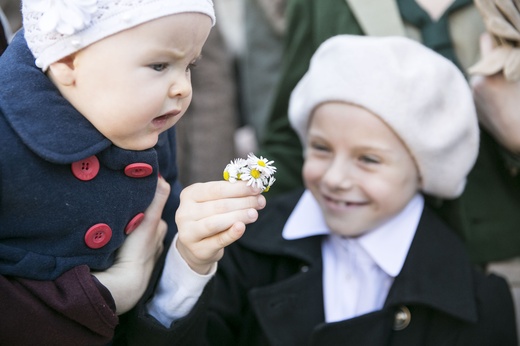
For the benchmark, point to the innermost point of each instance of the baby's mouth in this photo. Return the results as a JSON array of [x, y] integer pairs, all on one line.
[[169, 115], [165, 117]]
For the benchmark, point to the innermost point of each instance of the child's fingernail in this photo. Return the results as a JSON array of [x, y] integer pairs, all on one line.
[[251, 213]]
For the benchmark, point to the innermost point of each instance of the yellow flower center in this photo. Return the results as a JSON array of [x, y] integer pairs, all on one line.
[[261, 163], [226, 175], [255, 173]]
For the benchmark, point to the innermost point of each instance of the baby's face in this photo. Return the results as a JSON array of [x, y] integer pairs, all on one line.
[[357, 168], [136, 84]]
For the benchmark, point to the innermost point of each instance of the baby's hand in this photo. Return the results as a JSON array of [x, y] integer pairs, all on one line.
[[128, 277], [211, 216]]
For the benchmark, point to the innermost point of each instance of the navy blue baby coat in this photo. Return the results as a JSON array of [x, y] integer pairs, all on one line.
[[67, 195]]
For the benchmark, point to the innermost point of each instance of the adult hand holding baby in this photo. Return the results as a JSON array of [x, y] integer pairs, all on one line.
[[128, 277]]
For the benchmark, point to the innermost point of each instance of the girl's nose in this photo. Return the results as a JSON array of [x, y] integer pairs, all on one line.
[[339, 175]]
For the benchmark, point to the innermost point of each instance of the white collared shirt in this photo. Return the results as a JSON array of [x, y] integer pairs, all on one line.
[[357, 272]]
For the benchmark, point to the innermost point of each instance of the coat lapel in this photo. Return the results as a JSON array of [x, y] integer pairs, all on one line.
[[378, 17], [443, 281], [288, 311], [377, 326]]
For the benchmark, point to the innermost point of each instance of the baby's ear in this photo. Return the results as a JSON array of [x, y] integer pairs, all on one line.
[[62, 71]]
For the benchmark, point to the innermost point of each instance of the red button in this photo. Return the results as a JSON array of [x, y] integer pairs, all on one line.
[[134, 223], [86, 169], [98, 236], [138, 170]]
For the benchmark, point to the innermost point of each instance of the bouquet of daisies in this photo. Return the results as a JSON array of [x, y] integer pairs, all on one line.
[[258, 172]]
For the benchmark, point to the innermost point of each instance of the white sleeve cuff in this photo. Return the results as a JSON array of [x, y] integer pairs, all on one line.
[[178, 290]]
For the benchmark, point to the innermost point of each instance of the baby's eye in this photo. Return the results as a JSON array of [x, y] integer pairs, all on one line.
[[158, 67], [191, 66]]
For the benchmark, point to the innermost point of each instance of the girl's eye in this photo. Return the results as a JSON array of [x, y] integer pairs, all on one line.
[[318, 147], [369, 159], [158, 67]]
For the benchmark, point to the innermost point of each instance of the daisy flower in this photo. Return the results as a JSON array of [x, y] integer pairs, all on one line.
[[254, 178], [269, 183], [258, 172], [261, 164], [234, 170]]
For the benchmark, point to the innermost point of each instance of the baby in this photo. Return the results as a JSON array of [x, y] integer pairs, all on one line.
[[89, 93]]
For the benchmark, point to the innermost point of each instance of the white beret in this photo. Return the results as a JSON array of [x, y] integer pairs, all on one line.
[[421, 95], [55, 29]]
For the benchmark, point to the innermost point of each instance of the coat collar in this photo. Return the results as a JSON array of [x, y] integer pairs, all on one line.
[[387, 245], [270, 239], [42, 118], [447, 284], [378, 17]]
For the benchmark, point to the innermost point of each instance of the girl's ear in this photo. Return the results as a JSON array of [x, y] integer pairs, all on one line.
[[62, 71]]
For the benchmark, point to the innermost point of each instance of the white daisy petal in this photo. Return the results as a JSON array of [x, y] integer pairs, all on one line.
[[257, 172]]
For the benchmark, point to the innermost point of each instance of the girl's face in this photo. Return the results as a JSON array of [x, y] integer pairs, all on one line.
[[357, 168], [136, 84]]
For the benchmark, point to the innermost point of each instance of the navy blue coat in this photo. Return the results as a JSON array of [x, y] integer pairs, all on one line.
[[46, 212]]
